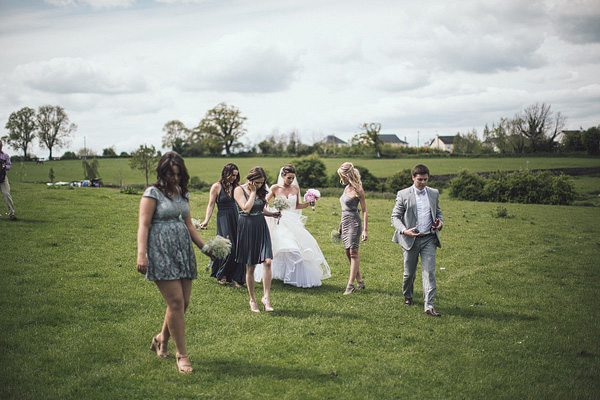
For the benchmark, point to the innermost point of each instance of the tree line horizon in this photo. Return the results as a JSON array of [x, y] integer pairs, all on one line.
[[532, 130]]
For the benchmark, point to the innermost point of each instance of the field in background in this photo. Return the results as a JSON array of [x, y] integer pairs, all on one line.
[[117, 171]]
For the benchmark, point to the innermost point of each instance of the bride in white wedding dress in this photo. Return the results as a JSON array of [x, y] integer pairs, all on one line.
[[297, 258]]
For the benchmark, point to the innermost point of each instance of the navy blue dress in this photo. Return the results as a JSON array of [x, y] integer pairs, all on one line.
[[253, 237], [227, 221]]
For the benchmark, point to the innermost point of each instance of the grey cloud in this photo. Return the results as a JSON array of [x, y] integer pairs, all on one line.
[[76, 75], [249, 69]]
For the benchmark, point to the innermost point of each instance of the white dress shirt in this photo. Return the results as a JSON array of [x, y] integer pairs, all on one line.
[[424, 221]]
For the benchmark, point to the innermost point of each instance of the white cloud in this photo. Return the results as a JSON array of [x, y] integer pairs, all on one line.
[[246, 62], [96, 4], [76, 75]]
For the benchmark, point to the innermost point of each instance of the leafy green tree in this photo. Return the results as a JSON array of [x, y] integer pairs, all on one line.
[[109, 152], [176, 135], [144, 159], [370, 137], [22, 127], [54, 128], [225, 123], [467, 143], [69, 155], [591, 140]]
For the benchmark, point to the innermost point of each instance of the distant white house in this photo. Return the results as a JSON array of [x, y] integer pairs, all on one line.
[[393, 140], [443, 143], [334, 141]]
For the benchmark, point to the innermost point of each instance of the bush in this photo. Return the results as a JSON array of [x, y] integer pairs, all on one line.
[[69, 155], [369, 181], [400, 180], [467, 186], [129, 190], [310, 171], [519, 187], [197, 183]]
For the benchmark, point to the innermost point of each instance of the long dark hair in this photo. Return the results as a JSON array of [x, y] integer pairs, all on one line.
[[257, 173], [225, 174], [164, 169]]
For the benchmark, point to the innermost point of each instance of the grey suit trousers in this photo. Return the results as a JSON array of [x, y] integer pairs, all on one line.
[[426, 248]]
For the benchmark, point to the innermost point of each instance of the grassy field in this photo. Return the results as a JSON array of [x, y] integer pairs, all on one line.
[[519, 297], [117, 171]]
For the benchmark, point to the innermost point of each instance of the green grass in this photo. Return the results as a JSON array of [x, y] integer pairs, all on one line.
[[519, 298], [115, 171]]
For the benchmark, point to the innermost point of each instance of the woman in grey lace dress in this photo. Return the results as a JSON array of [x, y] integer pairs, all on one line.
[[165, 251], [350, 225]]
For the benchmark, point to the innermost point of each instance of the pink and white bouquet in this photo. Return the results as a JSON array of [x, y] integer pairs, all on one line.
[[311, 196]]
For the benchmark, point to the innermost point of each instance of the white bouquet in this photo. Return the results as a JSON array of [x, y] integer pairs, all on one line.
[[280, 203], [219, 247]]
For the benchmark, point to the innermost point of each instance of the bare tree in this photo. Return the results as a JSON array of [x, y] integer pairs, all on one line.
[[225, 123], [537, 124], [54, 128], [21, 126]]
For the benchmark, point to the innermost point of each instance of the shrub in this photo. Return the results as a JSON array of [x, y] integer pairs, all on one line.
[[519, 187], [310, 171], [197, 183], [467, 186], [128, 190], [400, 180], [369, 181]]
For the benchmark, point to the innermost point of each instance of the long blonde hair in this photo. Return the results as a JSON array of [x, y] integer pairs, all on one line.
[[347, 169]]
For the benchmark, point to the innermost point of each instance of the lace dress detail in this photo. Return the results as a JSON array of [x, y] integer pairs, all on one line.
[[169, 249]]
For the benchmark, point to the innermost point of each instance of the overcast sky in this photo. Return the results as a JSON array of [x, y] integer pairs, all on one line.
[[123, 68]]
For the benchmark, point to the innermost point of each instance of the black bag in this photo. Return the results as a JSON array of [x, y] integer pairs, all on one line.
[[2, 171]]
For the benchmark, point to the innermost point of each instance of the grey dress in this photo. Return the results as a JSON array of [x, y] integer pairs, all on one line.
[[169, 249], [351, 222]]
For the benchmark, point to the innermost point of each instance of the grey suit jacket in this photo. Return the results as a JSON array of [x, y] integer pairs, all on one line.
[[404, 215]]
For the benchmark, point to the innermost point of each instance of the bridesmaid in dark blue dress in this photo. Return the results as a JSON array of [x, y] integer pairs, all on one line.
[[221, 193], [253, 238]]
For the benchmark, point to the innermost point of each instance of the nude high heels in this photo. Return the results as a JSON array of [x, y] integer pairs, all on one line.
[[254, 307], [267, 305]]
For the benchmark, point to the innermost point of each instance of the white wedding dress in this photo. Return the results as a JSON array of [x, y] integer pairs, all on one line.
[[297, 258]]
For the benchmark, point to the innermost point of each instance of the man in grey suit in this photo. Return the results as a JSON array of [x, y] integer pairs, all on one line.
[[417, 218]]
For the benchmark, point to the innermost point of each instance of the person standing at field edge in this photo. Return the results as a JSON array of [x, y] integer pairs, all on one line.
[[5, 165], [417, 218]]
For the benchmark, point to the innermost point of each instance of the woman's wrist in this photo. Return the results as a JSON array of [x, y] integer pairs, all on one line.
[[204, 249]]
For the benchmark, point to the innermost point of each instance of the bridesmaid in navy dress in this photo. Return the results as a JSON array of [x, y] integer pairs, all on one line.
[[221, 193], [350, 225], [253, 238]]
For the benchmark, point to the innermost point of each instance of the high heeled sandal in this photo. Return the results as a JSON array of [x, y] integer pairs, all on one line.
[[360, 285], [184, 369], [349, 289], [155, 347], [267, 305], [254, 307]]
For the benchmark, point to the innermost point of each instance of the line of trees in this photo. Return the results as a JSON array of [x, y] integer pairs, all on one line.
[[50, 125]]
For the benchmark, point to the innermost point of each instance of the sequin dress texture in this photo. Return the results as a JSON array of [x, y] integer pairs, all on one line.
[[351, 222], [169, 248], [253, 238], [227, 221]]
